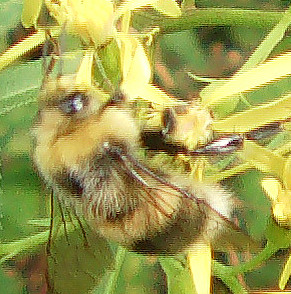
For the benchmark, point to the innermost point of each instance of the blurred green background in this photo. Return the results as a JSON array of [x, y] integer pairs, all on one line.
[[207, 51]]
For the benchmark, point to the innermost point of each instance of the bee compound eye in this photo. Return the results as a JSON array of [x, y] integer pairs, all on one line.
[[74, 103]]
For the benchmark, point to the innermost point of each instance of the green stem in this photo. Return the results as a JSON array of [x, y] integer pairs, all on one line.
[[209, 17], [264, 255], [228, 274], [119, 259], [229, 279]]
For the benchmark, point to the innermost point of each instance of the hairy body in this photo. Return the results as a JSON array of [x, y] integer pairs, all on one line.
[[87, 151]]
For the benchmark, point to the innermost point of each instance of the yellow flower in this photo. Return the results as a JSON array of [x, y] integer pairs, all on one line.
[[136, 72], [281, 200], [93, 20]]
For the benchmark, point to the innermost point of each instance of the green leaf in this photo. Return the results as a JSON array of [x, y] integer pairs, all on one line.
[[16, 89], [178, 276], [78, 262], [278, 236], [268, 44]]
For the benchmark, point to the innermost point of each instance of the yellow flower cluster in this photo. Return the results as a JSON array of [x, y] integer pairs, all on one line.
[[96, 23], [280, 195], [90, 19]]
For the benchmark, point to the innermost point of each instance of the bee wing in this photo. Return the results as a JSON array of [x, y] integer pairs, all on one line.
[[202, 212]]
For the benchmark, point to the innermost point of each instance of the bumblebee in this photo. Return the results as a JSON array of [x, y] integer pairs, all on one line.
[[87, 150]]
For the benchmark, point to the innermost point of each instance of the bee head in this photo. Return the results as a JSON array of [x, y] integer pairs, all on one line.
[[75, 124]]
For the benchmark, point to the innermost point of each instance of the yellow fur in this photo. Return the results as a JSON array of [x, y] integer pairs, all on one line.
[[61, 141]]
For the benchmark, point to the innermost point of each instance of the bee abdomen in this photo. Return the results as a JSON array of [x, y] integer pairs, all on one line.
[[177, 235]]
